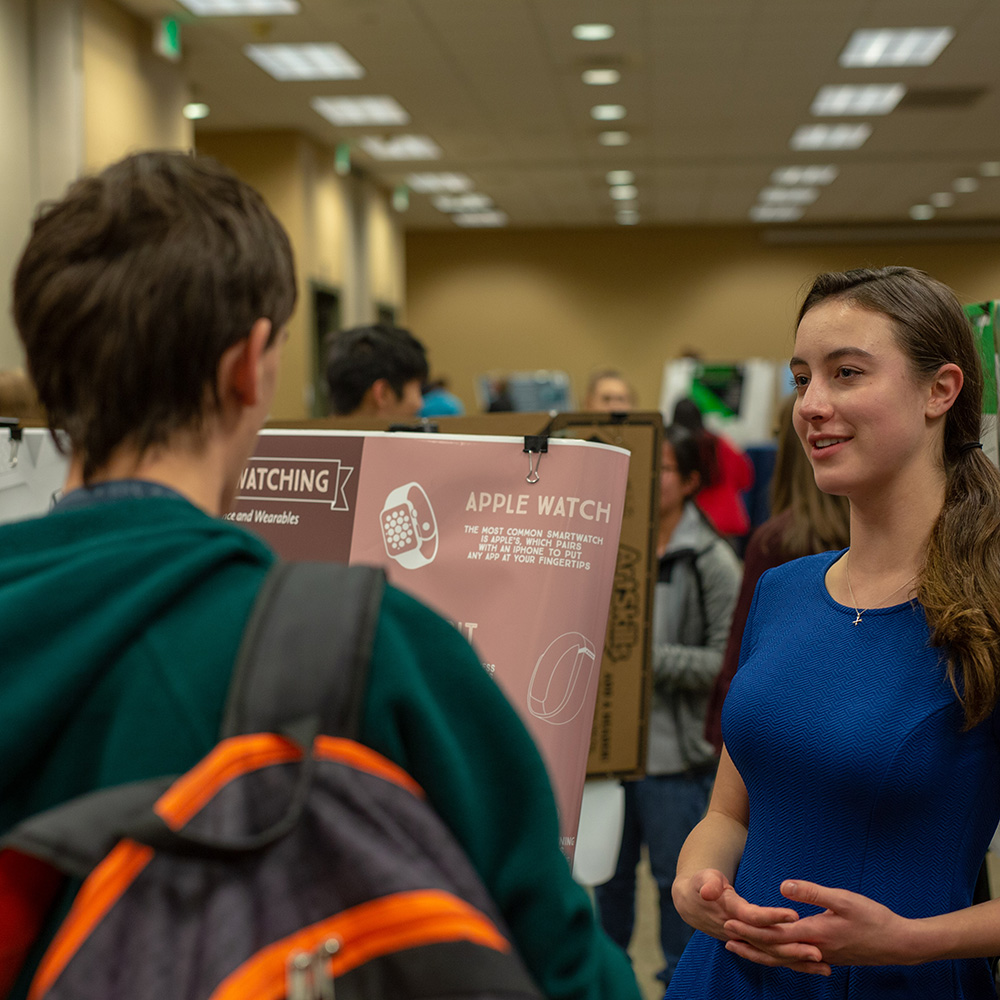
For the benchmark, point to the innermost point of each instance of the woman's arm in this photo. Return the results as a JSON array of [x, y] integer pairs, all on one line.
[[703, 891]]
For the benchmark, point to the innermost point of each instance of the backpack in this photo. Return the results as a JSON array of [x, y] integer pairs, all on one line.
[[290, 862]]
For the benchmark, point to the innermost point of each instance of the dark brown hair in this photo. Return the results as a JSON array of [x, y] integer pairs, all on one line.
[[958, 584], [818, 521], [133, 286]]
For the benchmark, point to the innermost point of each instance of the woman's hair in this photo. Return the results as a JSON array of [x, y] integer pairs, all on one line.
[[819, 521], [687, 415], [687, 452], [958, 583]]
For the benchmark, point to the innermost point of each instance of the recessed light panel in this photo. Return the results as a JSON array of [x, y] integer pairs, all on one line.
[[788, 195], [601, 77], [830, 136], [921, 213], [942, 199], [401, 147], [195, 111], [965, 185], [989, 169], [808, 175], [627, 217], [480, 220], [360, 110], [895, 46], [775, 213], [240, 8], [614, 138], [870, 99], [607, 112], [305, 62], [593, 32], [433, 183], [471, 202], [624, 192], [619, 177]]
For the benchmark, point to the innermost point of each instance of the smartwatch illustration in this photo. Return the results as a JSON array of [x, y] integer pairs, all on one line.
[[561, 678], [409, 528]]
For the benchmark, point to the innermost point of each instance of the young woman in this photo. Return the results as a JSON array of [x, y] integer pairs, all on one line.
[[860, 784], [698, 579]]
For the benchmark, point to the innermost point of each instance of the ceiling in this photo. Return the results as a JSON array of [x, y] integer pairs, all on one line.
[[713, 90]]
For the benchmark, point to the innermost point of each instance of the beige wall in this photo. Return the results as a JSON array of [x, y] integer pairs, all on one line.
[[632, 298], [133, 99]]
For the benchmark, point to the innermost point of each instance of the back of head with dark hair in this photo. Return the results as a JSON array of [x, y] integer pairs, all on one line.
[[359, 357], [133, 286], [687, 451], [687, 414], [957, 586]]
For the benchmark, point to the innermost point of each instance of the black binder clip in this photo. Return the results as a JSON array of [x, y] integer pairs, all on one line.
[[13, 425], [535, 445]]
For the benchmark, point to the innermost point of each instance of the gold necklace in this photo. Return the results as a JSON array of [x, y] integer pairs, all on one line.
[[859, 611]]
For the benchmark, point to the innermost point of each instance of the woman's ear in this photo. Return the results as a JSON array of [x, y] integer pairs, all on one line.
[[692, 484], [944, 390]]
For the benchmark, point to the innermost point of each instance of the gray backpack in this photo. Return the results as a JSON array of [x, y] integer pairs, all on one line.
[[292, 861]]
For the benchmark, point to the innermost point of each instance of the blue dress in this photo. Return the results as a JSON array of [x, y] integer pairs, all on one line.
[[849, 739]]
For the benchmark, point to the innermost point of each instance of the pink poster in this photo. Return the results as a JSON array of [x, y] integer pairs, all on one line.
[[523, 570]]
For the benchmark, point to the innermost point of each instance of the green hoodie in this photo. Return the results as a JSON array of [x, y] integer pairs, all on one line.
[[120, 624]]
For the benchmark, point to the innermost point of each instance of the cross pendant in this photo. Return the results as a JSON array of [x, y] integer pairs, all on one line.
[[857, 621]]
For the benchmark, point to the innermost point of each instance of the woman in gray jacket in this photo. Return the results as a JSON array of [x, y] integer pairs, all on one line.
[[699, 578]]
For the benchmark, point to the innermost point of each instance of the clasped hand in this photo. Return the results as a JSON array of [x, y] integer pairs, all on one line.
[[851, 930]]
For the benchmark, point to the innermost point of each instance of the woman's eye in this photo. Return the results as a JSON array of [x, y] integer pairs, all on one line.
[[847, 372], [800, 381]]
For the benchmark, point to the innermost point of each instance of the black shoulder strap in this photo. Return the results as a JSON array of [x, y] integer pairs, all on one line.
[[301, 669], [306, 649]]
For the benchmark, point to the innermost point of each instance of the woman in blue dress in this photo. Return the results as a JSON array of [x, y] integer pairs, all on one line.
[[860, 783]]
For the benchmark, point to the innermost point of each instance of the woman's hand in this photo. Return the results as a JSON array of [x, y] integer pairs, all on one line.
[[707, 901], [851, 930]]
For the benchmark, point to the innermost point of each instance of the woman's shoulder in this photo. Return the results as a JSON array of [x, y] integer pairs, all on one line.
[[801, 571]]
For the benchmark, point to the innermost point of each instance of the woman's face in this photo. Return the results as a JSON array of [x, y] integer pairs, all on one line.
[[674, 488], [861, 414]]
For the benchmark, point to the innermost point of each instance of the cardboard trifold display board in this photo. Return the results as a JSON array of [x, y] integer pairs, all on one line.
[[517, 549]]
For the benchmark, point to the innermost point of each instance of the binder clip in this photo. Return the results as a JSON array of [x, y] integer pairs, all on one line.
[[13, 425], [535, 445]]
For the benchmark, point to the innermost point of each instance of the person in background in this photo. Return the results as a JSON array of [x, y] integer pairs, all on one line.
[[859, 786], [804, 520], [728, 473], [376, 371], [608, 392], [123, 609], [698, 578], [440, 401]]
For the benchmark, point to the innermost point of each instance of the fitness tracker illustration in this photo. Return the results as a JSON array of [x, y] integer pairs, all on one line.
[[560, 679], [409, 528]]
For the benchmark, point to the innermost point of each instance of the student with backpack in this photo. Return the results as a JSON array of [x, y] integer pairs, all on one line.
[[152, 304]]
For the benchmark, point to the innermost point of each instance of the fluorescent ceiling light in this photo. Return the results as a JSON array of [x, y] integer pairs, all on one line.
[[194, 111], [627, 217], [809, 175], [614, 138], [432, 183], [895, 46], [775, 213], [360, 110], [305, 62], [830, 136], [593, 32], [480, 220], [601, 77], [401, 147], [788, 195], [869, 99], [607, 112], [942, 199], [619, 177], [990, 169], [240, 8], [623, 192], [463, 202], [965, 185], [921, 213]]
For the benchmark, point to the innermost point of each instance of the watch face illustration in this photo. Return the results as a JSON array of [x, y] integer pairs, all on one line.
[[561, 678], [409, 527]]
